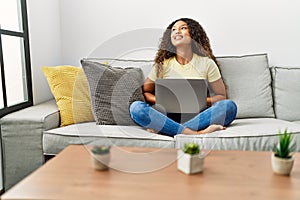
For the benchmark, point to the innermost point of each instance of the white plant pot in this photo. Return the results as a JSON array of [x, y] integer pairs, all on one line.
[[282, 166], [189, 164], [100, 162]]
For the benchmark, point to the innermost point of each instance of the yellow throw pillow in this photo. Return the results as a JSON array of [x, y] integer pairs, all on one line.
[[69, 87]]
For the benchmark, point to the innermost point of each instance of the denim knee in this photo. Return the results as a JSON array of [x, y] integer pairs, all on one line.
[[135, 106], [231, 111], [138, 111], [231, 107]]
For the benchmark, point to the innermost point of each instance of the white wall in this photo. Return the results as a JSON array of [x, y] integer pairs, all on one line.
[[234, 27], [64, 31], [45, 43]]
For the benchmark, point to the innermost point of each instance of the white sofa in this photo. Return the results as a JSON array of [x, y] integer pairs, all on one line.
[[267, 99]]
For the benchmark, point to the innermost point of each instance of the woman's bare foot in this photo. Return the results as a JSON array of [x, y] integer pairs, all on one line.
[[212, 128], [209, 129], [188, 131], [151, 130]]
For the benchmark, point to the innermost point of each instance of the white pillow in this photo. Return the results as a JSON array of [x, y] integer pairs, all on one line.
[[248, 83], [286, 88]]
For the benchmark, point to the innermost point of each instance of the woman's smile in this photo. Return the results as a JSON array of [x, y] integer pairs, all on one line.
[[178, 37]]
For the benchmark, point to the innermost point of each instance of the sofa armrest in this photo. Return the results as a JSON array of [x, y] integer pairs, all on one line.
[[21, 135]]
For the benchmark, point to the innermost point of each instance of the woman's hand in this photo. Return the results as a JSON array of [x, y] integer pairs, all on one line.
[[212, 128], [149, 90]]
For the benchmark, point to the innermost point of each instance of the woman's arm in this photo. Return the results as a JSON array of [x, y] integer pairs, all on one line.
[[220, 92], [148, 91]]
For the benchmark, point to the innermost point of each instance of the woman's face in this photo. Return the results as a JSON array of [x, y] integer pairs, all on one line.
[[180, 34]]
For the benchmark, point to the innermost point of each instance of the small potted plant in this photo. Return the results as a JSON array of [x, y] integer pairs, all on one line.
[[282, 158], [189, 159], [100, 157]]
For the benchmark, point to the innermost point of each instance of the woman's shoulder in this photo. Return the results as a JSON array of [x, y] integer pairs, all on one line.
[[204, 59], [201, 59]]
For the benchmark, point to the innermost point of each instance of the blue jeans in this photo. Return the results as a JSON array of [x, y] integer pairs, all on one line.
[[222, 113]]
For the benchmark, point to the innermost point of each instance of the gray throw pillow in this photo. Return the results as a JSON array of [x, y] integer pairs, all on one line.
[[286, 90], [112, 90], [248, 83]]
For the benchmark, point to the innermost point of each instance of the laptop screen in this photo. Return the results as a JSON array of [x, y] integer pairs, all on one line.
[[181, 95]]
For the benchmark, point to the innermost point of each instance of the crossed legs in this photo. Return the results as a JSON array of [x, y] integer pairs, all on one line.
[[213, 118]]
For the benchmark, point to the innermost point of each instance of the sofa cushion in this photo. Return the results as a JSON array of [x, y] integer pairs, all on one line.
[[112, 90], [286, 88], [70, 90], [248, 83], [89, 133], [255, 134]]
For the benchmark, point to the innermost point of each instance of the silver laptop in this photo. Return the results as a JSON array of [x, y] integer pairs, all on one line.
[[180, 95]]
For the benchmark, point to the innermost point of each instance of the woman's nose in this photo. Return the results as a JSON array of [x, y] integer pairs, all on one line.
[[177, 30]]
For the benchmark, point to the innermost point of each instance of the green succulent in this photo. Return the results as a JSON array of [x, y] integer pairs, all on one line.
[[101, 150], [191, 148], [285, 146]]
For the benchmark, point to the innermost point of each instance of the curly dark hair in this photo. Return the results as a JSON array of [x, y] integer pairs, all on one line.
[[200, 43]]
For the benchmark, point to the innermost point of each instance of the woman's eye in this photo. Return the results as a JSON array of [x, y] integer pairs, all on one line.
[[183, 28]]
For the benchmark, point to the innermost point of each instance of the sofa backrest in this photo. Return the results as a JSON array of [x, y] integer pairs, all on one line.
[[258, 89]]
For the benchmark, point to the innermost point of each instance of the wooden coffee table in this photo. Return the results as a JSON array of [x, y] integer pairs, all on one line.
[[227, 175]]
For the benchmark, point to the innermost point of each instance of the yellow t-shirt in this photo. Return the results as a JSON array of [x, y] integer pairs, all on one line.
[[198, 68]]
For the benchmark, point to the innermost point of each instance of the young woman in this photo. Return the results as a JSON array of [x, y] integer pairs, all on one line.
[[185, 52]]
